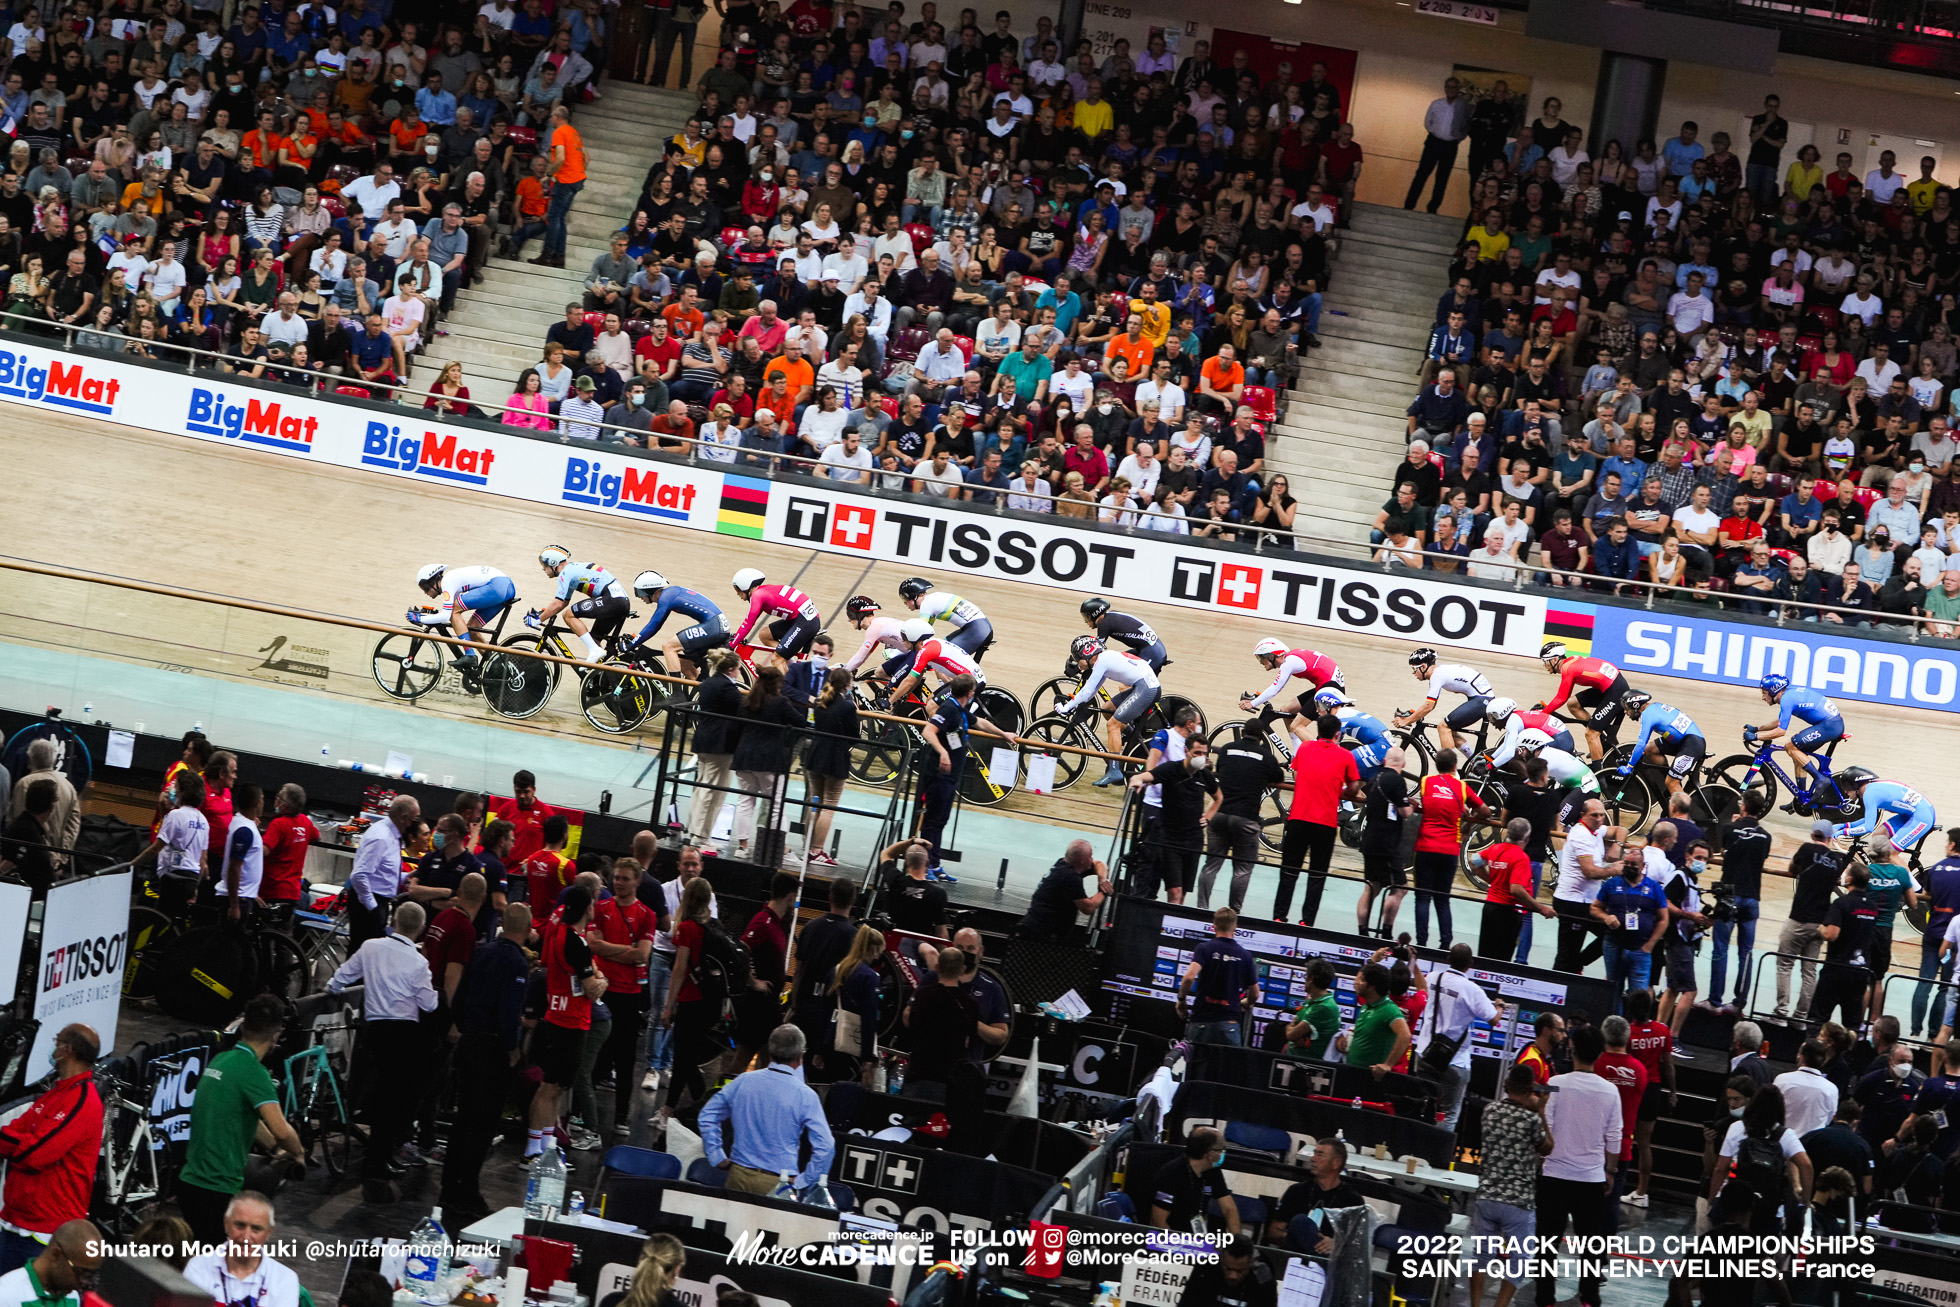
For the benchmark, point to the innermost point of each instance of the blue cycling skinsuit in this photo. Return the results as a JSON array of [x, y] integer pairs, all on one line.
[[1822, 721], [1901, 812], [1370, 738], [1675, 734], [709, 629]]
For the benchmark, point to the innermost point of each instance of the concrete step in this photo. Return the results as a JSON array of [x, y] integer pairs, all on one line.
[[1411, 324], [1391, 256], [1385, 371], [1358, 407], [1414, 248], [1333, 432], [1337, 351], [1382, 217]]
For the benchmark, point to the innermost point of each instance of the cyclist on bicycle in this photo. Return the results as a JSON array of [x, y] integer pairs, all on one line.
[[1568, 773], [1456, 678], [1522, 725], [1134, 631], [1599, 688], [1668, 738], [601, 599], [1890, 808], [972, 632], [927, 652], [1822, 724], [1365, 736], [797, 620], [1100, 663], [688, 650], [1316, 669], [879, 632], [467, 600]]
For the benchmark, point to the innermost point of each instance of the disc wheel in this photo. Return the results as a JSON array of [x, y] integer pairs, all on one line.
[[1173, 704], [150, 935], [281, 966], [1631, 804], [1049, 732], [516, 685], [614, 701], [406, 666], [1042, 701], [1001, 708], [1713, 804]]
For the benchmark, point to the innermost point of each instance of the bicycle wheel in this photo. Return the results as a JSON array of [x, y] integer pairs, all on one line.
[[282, 969], [1272, 821], [1043, 699], [406, 666], [1713, 803], [976, 786], [1172, 704], [1630, 802], [150, 935], [516, 686], [1733, 771], [1001, 708], [1227, 733], [1415, 752], [880, 754], [1479, 836], [332, 1131], [1049, 732], [615, 702]]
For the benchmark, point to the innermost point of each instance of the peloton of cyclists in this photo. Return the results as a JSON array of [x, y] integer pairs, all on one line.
[[1108, 624], [1593, 684], [1099, 663], [797, 620], [1316, 669], [467, 600], [688, 649], [1457, 679], [592, 600], [971, 633]]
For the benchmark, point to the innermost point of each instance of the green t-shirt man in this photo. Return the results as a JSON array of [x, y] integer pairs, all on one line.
[[1373, 1037], [1887, 892], [1028, 373], [1323, 1016], [225, 1119]]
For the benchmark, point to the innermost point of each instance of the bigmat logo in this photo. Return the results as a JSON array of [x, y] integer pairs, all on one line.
[[256, 422], [637, 489], [427, 454], [61, 385]]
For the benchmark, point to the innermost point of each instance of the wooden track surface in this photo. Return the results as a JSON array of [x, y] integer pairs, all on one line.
[[117, 501]]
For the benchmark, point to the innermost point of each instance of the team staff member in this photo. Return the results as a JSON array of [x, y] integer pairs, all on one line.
[[51, 1151], [1059, 898], [526, 814], [1245, 770], [622, 943], [1444, 801], [1541, 1055], [1586, 862], [1508, 898], [1191, 796], [1190, 1184], [377, 875], [1745, 848], [1847, 932], [244, 857], [572, 984], [1218, 985], [1324, 774], [489, 1016], [287, 837], [398, 992], [1380, 1038], [1943, 892], [773, 1113], [1539, 801], [235, 1099], [1390, 813], [941, 757], [1634, 912], [1159, 865]]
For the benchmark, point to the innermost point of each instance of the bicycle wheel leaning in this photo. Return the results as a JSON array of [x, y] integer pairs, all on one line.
[[1050, 732], [150, 935], [282, 967], [407, 666], [330, 1131]]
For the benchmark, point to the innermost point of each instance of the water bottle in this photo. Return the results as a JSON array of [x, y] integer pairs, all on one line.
[[818, 1196], [1356, 1104], [577, 1206], [896, 1083], [785, 1186], [428, 1258], [544, 1187]]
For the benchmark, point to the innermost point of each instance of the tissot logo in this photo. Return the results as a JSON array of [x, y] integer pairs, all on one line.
[[1238, 586], [806, 520], [82, 959], [853, 525]]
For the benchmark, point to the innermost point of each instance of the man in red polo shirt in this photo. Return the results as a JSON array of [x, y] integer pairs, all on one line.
[[1444, 800], [1323, 775], [287, 837], [1507, 896], [621, 944], [526, 816]]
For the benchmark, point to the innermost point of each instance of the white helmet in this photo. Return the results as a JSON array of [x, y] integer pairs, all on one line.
[[646, 583], [430, 572], [1269, 647], [915, 630], [748, 579], [1552, 652], [1498, 711], [1326, 700], [553, 556]]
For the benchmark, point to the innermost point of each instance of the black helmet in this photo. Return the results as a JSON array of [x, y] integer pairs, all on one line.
[[1423, 657], [860, 606], [1636, 701], [914, 587], [1855, 775], [1093, 609], [1085, 646]]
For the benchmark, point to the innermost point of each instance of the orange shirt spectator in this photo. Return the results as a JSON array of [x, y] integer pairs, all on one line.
[[300, 149], [1222, 375], [408, 132], [796, 372], [1137, 352], [565, 137], [262, 148], [532, 199], [133, 196], [683, 324]]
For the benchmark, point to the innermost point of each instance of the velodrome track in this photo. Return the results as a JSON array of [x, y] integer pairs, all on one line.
[[118, 501]]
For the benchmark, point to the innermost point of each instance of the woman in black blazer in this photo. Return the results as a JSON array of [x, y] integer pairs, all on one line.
[[763, 754], [716, 730], [835, 718]]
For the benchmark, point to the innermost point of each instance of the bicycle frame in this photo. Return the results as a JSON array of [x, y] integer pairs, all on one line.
[[1765, 757]]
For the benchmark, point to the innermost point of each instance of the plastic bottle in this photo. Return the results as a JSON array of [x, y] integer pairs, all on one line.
[[785, 1186], [544, 1188], [428, 1259], [896, 1081], [576, 1207], [818, 1195]]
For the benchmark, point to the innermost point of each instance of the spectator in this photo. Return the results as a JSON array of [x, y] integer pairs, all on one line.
[[51, 1150], [237, 1100], [1455, 1002], [1584, 1118], [60, 1274], [770, 1113], [63, 822], [1517, 1140]]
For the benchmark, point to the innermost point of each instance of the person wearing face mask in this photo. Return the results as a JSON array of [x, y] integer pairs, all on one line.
[[632, 411], [51, 1151], [1191, 798], [1681, 887], [442, 869]]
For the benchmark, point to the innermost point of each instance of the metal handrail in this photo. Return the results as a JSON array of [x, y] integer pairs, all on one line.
[[816, 468]]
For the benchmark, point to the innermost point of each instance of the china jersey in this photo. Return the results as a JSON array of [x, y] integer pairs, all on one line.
[[1577, 673]]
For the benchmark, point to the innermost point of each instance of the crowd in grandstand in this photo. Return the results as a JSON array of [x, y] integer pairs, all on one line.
[[1711, 365]]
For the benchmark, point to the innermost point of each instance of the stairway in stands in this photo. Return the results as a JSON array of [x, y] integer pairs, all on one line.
[[1342, 431], [498, 324]]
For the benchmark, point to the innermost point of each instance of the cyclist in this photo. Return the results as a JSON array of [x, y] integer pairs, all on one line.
[[1316, 669], [688, 650], [1599, 687], [1569, 773], [1455, 677], [1520, 725], [1890, 808], [797, 620], [1133, 631], [1668, 738], [1364, 735], [1822, 724], [603, 601], [927, 652], [1100, 663], [861, 611], [972, 632], [467, 600]]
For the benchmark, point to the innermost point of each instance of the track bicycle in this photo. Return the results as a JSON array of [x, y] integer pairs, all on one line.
[[129, 1175], [1082, 730], [408, 664], [879, 759], [1761, 771], [1069, 683], [163, 919], [316, 1103]]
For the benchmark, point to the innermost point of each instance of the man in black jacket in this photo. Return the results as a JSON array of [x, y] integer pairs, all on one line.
[[328, 347], [716, 729], [1817, 868], [488, 1009], [820, 946], [1245, 770], [1191, 797]]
